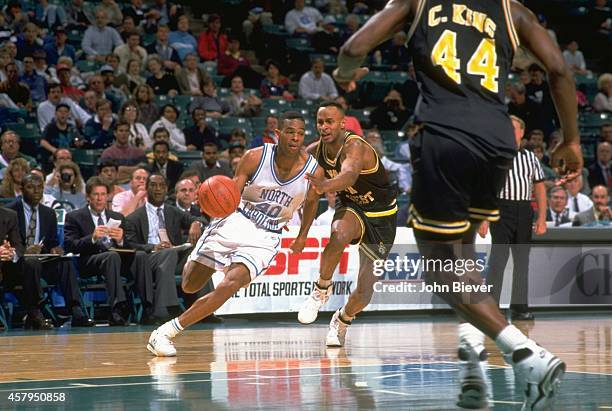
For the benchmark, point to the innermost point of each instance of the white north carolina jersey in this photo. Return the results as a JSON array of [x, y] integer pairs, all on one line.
[[269, 202]]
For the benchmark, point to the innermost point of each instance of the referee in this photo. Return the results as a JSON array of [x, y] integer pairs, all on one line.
[[513, 229]]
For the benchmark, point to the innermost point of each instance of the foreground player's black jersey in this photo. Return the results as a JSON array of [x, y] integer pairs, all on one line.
[[462, 53], [371, 192]]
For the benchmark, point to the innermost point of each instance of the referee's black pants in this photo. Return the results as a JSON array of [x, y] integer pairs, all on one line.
[[511, 232]]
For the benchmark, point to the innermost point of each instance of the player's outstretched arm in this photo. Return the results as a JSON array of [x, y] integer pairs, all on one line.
[[352, 165], [562, 86], [247, 167], [310, 212], [376, 30]]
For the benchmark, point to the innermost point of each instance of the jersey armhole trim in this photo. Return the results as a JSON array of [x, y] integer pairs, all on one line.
[[261, 163], [510, 24], [373, 169], [415, 22]]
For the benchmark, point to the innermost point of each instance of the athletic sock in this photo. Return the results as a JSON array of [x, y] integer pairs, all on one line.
[[172, 328], [345, 318], [509, 339], [323, 284], [473, 336]]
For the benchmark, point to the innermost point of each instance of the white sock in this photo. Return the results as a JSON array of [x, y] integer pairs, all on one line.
[[471, 335], [172, 328], [510, 338]]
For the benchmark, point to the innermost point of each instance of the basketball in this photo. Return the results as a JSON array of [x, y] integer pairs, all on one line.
[[218, 196]]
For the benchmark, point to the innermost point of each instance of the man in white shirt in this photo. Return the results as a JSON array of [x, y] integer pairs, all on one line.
[[316, 84], [574, 58], [577, 202], [131, 50], [46, 110], [302, 19]]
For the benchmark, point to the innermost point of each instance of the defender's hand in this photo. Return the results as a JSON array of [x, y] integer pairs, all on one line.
[[351, 84]]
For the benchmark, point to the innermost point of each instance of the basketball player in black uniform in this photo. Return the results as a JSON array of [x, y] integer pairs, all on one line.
[[462, 53], [365, 215]]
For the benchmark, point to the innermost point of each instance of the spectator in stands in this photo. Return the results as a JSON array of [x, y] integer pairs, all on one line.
[[327, 40], [161, 47], [237, 144], [89, 234], [38, 229], [391, 114], [605, 133], [88, 102], [50, 16], [35, 82], [5, 29], [100, 40], [98, 131], [539, 91], [127, 157], [79, 17], [252, 27], [113, 61], [14, 89], [603, 99], [155, 228], [524, 108], [12, 176], [210, 164], [115, 16], [233, 63], [169, 116], [60, 134], [302, 19], [536, 138], [147, 109], [242, 104], [11, 49], [599, 212], [600, 173], [69, 191], [350, 122], [574, 58], [166, 12], [396, 53], [40, 65], [131, 50], [28, 42], [16, 17], [128, 26], [143, 17], [400, 172], [129, 200], [59, 157], [10, 143], [66, 86], [191, 78], [200, 132], [352, 25], [131, 79], [161, 134], [549, 175], [212, 43], [275, 85], [577, 202], [558, 215], [163, 83], [193, 175], [108, 170], [75, 76], [47, 109], [186, 195], [269, 133], [59, 47], [182, 39], [214, 106], [139, 137], [103, 86], [316, 84], [170, 169]]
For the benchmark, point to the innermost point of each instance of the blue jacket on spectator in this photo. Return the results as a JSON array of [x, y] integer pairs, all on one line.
[[53, 54], [37, 85], [184, 43], [96, 136]]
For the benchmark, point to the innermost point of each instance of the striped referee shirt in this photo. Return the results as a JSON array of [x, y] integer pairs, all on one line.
[[525, 172]]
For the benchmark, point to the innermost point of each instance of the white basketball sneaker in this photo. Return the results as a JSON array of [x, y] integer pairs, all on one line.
[[337, 331], [161, 345], [472, 374], [317, 299], [537, 373]]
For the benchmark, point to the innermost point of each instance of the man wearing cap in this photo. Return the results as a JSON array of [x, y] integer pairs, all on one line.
[[46, 109], [59, 47], [58, 133], [328, 39]]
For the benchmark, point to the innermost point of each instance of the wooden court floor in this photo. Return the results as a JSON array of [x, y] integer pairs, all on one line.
[[389, 362]]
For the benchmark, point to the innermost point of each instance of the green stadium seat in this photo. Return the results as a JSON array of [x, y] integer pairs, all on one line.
[[25, 131], [86, 66], [396, 77], [299, 44]]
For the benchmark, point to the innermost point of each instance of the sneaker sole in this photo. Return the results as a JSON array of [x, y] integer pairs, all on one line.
[[301, 320], [157, 354], [549, 385], [329, 343]]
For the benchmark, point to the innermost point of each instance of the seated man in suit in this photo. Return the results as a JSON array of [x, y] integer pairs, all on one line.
[[600, 173], [16, 270], [38, 230], [558, 214], [155, 228], [171, 169], [600, 213], [87, 232]]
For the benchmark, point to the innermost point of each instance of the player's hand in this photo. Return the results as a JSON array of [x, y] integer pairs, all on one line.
[[297, 245], [351, 84], [540, 227], [116, 234], [99, 232], [317, 183], [483, 229], [567, 160], [195, 231]]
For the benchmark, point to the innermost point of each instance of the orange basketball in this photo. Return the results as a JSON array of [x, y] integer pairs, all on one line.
[[218, 196]]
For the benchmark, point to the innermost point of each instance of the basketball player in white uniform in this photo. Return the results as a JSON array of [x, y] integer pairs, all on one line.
[[243, 244]]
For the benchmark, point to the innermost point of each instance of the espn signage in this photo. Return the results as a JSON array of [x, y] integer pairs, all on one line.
[[287, 262]]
